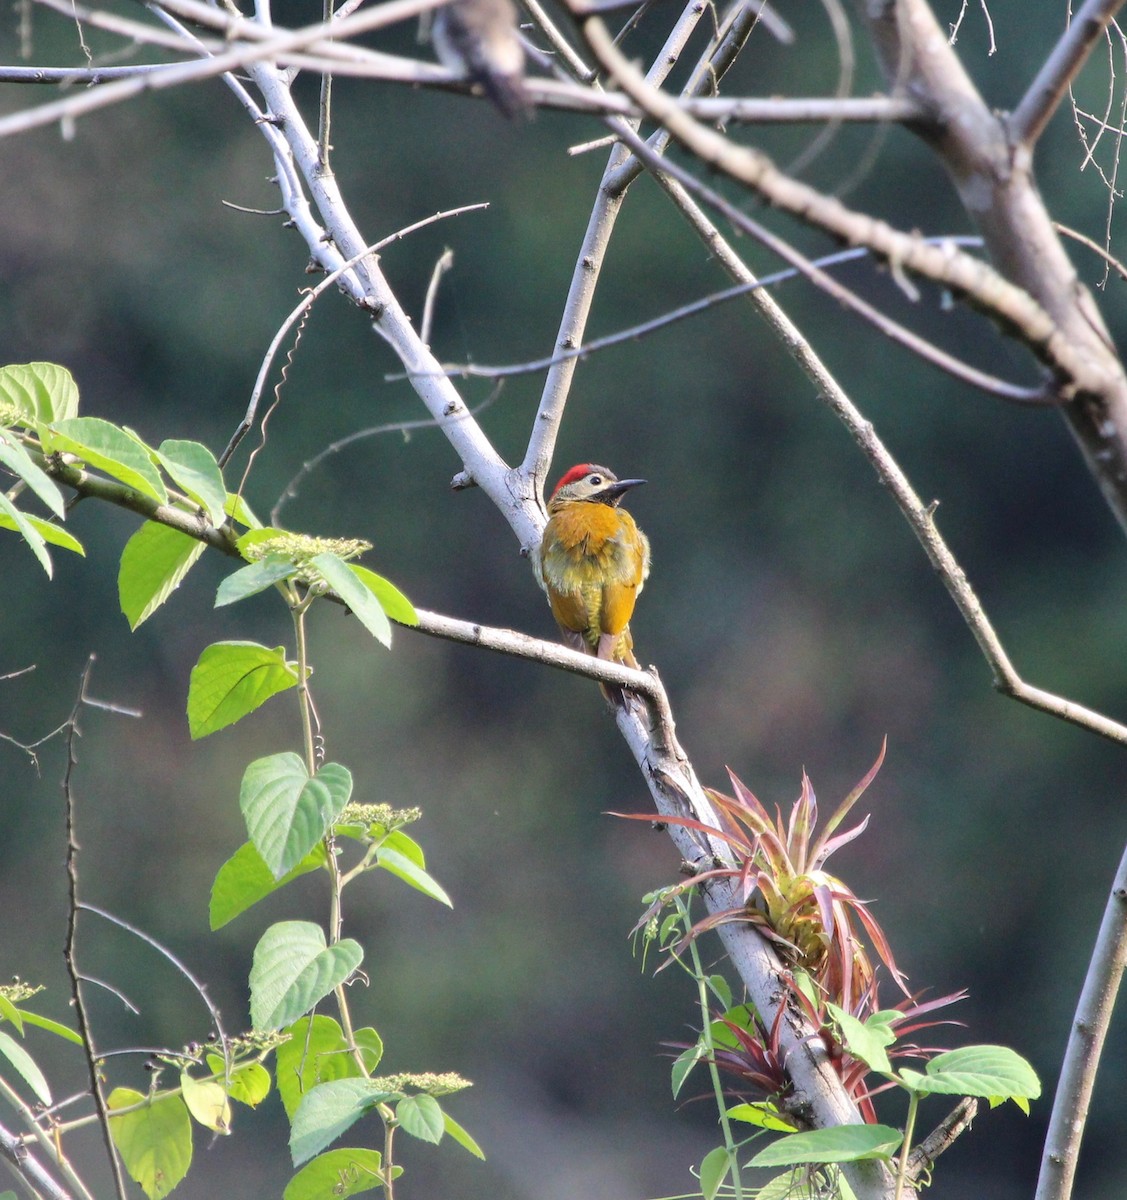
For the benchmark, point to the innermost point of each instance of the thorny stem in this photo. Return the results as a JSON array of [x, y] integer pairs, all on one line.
[[69, 953]]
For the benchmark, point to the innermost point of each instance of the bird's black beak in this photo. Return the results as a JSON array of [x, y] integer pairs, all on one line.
[[614, 492]]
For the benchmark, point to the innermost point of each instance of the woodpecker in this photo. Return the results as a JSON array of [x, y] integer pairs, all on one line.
[[478, 40], [593, 562]]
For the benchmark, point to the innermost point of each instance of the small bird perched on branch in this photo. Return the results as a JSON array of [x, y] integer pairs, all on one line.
[[478, 39], [594, 561]]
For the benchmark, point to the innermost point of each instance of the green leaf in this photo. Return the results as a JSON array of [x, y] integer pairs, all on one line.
[[391, 599], [841, 1143], [762, 1114], [714, 1168], [288, 813], [316, 1053], [335, 1174], [40, 391], [683, 1065], [339, 576], [232, 679], [327, 1111], [370, 1045], [153, 565], [794, 1185], [26, 1066], [255, 577], [977, 1071], [421, 1117], [865, 1041], [718, 986], [50, 1026], [244, 879], [742, 1016], [461, 1136], [249, 1082], [398, 864], [102, 445], [207, 1101], [17, 460], [193, 468], [293, 969], [239, 510], [155, 1141], [22, 524], [51, 533]]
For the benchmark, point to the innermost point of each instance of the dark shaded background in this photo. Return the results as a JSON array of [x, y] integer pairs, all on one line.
[[794, 619]]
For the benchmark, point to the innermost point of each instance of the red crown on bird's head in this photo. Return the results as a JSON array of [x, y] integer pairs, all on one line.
[[578, 472]]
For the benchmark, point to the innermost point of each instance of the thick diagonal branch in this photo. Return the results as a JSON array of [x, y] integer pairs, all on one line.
[[994, 178]]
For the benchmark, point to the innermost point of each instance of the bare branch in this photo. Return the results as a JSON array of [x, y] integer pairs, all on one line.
[[270, 45], [942, 1137], [72, 75], [585, 276], [621, 169], [1089, 1029], [1048, 89], [962, 274], [997, 188], [365, 283], [928, 351], [920, 518], [28, 1168], [562, 49], [810, 268], [443, 264]]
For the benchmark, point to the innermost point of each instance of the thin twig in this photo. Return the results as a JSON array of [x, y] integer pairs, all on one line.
[[563, 51], [986, 382], [289, 492], [1110, 259], [1027, 122], [69, 952], [201, 989], [920, 346], [443, 264], [307, 302], [1085, 1042]]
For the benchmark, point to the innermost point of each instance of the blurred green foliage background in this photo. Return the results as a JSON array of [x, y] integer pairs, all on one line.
[[793, 618]]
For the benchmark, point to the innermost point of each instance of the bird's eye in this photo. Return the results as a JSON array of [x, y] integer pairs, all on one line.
[[594, 480]]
